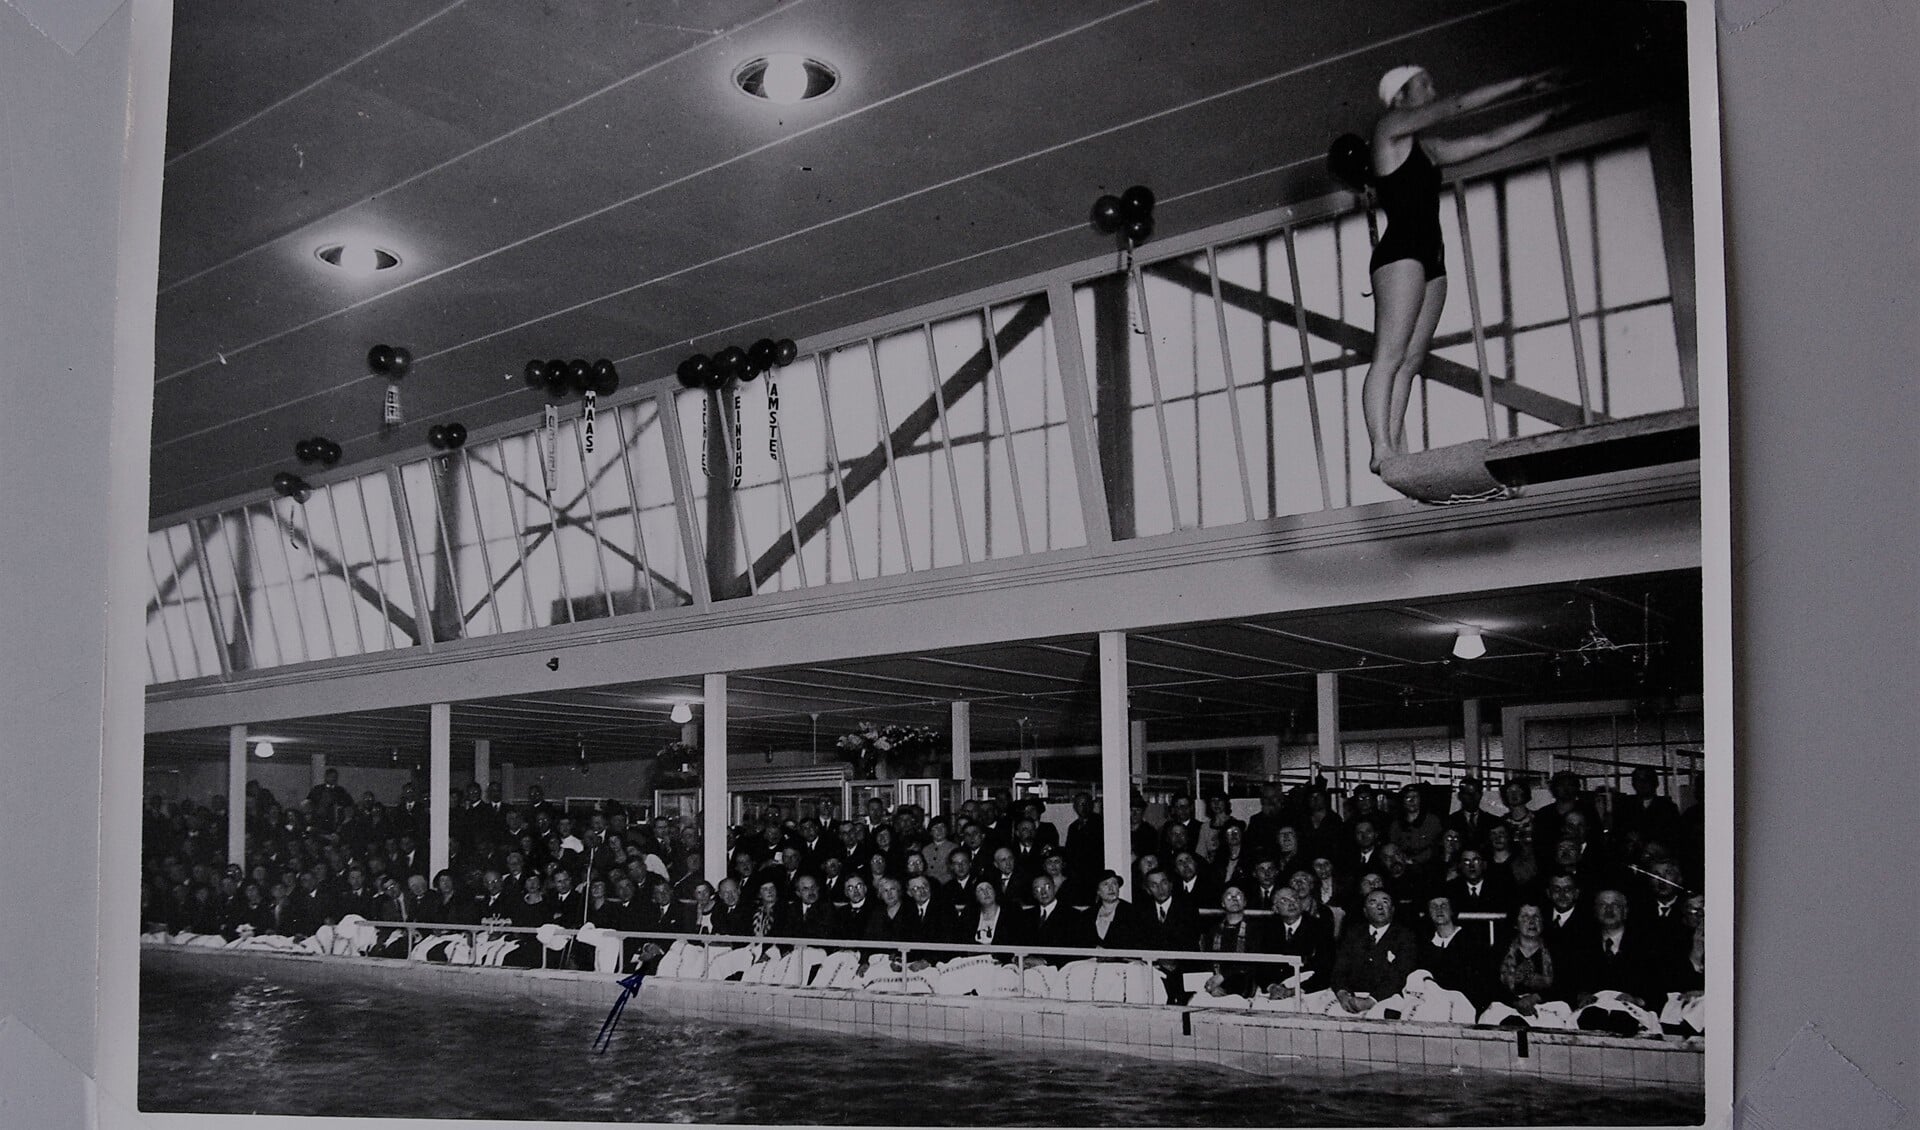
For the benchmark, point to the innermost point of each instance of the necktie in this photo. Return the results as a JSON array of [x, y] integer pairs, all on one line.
[[1607, 944], [1163, 914]]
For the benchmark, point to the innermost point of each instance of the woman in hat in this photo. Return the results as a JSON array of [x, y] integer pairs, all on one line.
[[1409, 263]]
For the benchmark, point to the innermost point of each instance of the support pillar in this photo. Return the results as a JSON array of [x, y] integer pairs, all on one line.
[[319, 764], [483, 762], [1470, 727], [1137, 751], [439, 781], [962, 730], [1327, 689], [713, 779], [506, 781], [1116, 755], [237, 795]]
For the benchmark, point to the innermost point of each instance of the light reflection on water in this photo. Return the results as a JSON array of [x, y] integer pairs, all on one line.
[[212, 1042]]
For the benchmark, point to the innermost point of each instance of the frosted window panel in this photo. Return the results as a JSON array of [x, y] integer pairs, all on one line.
[[500, 519], [1643, 361], [1296, 470], [1633, 264]]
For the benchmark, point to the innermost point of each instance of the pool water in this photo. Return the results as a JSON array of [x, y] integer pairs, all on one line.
[[230, 1043]]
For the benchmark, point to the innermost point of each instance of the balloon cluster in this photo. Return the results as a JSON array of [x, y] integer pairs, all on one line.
[[445, 436], [389, 361], [1350, 161], [286, 484], [319, 449], [733, 362], [557, 378], [1129, 214]]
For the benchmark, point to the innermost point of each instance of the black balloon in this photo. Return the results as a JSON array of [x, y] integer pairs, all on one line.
[[730, 362], [380, 358], [605, 378], [437, 435], [763, 354], [557, 378], [329, 452], [304, 451], [1350, 162], [283, 483], [456, 434], [402, 361], [1136, 203], [693, 370], [1139, 230], [579, 375], [1106, 215], [784, 351], [536, 374]]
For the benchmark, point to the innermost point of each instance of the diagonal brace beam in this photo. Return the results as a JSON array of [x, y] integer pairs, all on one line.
[[361, 589], [866, 470], [1506, 392]]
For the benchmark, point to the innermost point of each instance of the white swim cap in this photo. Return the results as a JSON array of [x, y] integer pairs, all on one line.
[[1393, 80]]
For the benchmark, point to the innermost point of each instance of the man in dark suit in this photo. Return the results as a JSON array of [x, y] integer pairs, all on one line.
[[1477, 891], [1470, 821], [815, 846], [783, 873], [653, 912], [495, 904], [1568, 923], [806, 915], [1615, 957], [1659, 907], [1027, 848], [1373, 959], [1645, 814], [957, 892], [1084, 848], [1053, 923], [1014, 884], [1167, 923], [1292, 932], [1365, 855], [850, 918], [1322, 832], [1263, 827], [1264, 884], [921, 920], [1191, 885], [360, 895]]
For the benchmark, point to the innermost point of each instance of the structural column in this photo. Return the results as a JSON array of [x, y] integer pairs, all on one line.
[[439, 780], [237, 795], [506, 781], [1116, 754], [962, 728], [319, 764], [483, 761], [1137, 751], [713, 779], [1470, 726], [1327, 687]]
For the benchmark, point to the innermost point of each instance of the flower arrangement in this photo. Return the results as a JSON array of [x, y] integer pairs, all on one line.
[[676, 765], [880, 751]]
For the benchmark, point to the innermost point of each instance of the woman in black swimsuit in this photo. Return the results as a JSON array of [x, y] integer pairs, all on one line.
[[1409, 263]]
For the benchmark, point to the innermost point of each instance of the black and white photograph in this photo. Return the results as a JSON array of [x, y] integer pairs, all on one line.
[[984, 563]]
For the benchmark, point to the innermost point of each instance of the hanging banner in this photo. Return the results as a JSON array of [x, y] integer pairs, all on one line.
[[773, 419], [551, 423], [706, 436], [390, 409], [586, 424], [739, 440]]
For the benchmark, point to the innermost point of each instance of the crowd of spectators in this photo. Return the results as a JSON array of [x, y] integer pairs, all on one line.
[[1538, 910]]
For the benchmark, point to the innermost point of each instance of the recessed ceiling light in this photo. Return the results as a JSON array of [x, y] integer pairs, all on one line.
[[785, 79], [357, 259]]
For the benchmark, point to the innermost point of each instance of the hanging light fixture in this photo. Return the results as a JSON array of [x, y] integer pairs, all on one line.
[[682, 713], [263, 749], [1469, 643]]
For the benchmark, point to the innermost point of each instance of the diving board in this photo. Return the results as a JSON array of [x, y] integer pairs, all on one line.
[[1481, 471]]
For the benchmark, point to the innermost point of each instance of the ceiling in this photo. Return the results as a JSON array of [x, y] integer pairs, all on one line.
[[1187, 682], [566, 180]]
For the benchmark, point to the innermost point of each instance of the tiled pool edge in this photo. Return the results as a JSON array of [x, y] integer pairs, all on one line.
[[1265, 1043]]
